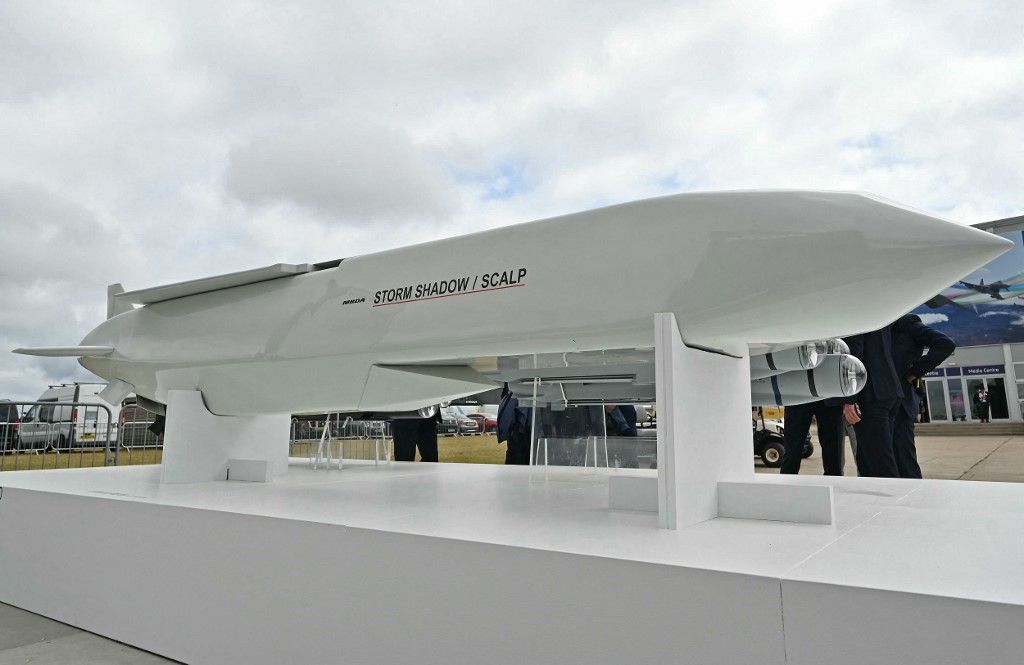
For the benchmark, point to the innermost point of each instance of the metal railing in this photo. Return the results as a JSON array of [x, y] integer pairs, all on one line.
[[136, 443], [50, 434], [333, 438], [67, 435], [62, 435]]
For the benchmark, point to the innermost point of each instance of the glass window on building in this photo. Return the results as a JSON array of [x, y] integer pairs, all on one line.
[[956, 399], [937, 401]]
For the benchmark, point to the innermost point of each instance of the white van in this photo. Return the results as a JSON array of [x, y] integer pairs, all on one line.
[[61, 426]]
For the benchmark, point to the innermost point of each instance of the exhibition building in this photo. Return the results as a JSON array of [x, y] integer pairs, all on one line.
[[984, 315]]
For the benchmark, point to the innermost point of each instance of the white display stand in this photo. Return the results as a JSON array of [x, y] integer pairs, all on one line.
[[453, 564], [199, 446], [705, 466]]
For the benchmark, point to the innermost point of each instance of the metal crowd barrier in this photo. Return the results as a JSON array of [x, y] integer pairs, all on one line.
[[136, 444], [64, 435], [345, 438], [52, 435], [68, 435]]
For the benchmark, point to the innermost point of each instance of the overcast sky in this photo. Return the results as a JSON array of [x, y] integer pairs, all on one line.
[[145, 143]]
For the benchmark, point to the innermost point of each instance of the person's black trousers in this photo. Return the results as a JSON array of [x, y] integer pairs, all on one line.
[[903, 445], [830, 436], [876, 457], [518, 448], [412, 433]]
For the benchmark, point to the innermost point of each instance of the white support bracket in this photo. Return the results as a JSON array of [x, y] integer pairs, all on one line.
[[705, 456], [200, 446], [779, 502]]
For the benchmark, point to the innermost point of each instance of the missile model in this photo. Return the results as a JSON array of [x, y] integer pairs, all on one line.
[[566, 302]]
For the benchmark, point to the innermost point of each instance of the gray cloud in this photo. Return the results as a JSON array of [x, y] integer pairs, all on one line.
[[350, 171], [57, 262], [154, 142]]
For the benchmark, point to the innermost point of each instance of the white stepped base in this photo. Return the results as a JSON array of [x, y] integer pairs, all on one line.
[[466, 564]]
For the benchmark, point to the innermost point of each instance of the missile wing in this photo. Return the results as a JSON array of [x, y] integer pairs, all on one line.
[[66, 351], [756, 271]]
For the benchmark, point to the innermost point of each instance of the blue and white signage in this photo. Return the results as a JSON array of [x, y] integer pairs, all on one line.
[[984, 370]]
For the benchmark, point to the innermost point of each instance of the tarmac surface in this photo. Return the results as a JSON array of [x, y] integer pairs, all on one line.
[[30, 638], [991, 458]]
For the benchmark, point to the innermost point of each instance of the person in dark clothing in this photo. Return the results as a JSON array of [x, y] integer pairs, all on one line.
[[797, 418], [910, 337], [872, 409], [620, 421], [514, 423], [412, 433], [981, 405]]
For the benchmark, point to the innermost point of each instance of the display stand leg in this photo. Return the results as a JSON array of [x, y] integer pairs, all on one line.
[[705, 461], [200, 446], [703, 402]]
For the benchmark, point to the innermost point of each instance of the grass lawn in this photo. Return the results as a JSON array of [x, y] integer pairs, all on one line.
[[76, 459], [481, 449]]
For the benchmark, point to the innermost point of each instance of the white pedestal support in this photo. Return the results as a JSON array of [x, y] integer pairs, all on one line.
[[705, 458], [703, 402], [200, 446]]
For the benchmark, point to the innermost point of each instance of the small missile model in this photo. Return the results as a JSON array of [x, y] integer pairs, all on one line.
[[566, 302]]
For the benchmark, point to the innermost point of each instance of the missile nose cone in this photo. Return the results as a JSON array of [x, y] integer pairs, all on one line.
[[838, 263], [951, 249]]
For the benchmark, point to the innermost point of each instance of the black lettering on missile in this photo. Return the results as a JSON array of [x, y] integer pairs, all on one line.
[[387, 296], [453, 286], [353, 301]]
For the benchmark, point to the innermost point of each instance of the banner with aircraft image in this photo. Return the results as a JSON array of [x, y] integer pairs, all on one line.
[[987, 306]]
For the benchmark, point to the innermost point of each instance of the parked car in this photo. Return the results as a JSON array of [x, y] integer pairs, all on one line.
[[486, 423], [60, 425], [453, 423], [10, 423]]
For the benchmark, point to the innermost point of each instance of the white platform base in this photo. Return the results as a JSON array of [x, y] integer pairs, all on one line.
[[447, 563]]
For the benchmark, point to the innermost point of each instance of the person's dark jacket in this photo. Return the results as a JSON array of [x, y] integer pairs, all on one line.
[[512, 418], [874, 349], [910, 337], [623, 421]]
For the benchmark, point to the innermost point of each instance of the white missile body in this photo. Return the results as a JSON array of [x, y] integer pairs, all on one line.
[[409, 327]]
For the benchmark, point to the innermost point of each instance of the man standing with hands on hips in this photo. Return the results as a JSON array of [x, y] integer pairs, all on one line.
[[871, 411], [910, 337]]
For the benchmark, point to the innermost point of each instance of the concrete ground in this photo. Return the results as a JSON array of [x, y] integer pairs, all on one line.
[[994, 458], [30, 638]]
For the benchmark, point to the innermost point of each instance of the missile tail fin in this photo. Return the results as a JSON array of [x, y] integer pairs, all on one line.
[[116, 391], [115, 305]]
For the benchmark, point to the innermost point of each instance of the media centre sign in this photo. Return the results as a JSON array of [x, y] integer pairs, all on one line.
[[978, 370]]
